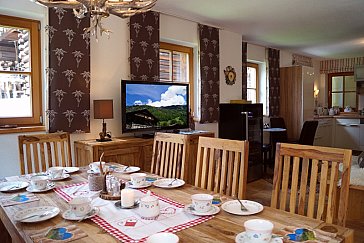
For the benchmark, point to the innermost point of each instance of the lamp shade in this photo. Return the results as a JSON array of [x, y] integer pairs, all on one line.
[[103, 109]]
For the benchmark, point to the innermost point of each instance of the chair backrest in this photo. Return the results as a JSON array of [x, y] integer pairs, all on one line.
[[38, 152], [222, 166], [308, 132], [278, 122], [169, 155], [306, 179]]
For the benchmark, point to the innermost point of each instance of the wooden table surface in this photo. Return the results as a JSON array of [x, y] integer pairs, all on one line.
[[222, 228]]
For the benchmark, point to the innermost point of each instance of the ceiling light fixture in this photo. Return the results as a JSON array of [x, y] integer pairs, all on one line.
[[98, 9]]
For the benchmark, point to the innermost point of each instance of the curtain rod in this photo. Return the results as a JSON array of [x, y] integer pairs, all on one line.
[[190, 20]]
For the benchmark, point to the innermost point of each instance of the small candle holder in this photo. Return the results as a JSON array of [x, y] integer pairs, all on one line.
[[95, 182]]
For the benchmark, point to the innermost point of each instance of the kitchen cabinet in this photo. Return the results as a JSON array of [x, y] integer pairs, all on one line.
[[296, 98], [323, 136], [347, 133]]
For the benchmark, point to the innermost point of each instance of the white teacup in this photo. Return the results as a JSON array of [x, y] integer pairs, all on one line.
[[258, 230], [201, 202], [39, 182], [95, 166], [138, 179], [80, 206], [55, 172], [163, 238], [149, 207]]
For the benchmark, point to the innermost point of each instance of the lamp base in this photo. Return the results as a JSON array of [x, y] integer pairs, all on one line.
[[103, 140]]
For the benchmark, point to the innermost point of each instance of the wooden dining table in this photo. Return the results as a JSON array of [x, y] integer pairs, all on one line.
[[222, 228]]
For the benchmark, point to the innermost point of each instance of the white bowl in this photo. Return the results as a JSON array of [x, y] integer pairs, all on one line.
[[163, 238]]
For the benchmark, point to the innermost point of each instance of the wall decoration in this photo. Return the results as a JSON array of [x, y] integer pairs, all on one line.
[[68, 72], [274, 78], [144, 46], [230, 75], [299, 60], [244, 70], [209, 70]]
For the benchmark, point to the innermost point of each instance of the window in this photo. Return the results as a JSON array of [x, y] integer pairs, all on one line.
[[252, 82], [342, 90], [176, 65], [20, 79]]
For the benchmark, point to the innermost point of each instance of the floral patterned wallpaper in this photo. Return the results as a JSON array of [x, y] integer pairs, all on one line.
[[144, 46], [210, 73], [68, 72], [274, 78]]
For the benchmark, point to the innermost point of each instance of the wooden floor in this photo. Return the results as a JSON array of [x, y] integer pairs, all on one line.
[[261, 191]]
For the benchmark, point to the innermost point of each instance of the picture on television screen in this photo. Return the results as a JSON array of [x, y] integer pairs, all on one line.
[[155, 106]]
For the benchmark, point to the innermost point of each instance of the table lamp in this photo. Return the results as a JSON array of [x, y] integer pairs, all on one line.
[[103, 109]]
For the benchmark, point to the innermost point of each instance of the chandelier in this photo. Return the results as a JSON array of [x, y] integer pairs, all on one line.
[[99, 9]]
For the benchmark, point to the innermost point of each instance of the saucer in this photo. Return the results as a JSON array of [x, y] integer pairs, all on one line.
[[50, 186], [64, 176], [146, 184], [69, 215], [242, 238], [165, 183], [127, 170], [118, 205], [36, 214], [70, 169], [233, 207], [9, 186], [213, 210]]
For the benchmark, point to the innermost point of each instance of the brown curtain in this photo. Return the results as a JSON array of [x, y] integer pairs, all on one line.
[[244, 70], [274, 77], [209, 69], [68, 72], [144, 46]]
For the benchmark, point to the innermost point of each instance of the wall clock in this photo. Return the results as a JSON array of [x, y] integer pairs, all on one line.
[[230, 75]]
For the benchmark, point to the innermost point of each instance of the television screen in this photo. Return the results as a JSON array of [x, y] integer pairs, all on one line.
[[154, 106]]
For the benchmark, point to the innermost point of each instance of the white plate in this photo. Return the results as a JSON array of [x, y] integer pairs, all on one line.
[[50, 186], [241, 238], [64, 176], [69, 170], [69, 215], [164, 183], [9, 186], [233, 207], [52, 212], [124, 170], [214, 210], [146, 184]]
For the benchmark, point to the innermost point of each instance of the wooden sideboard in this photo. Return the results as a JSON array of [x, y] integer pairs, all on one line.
[[125, 150], [134, 151]]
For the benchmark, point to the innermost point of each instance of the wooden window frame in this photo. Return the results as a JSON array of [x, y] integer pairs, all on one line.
[[343, 74], [189, 50], [256, 67], [35, 70]]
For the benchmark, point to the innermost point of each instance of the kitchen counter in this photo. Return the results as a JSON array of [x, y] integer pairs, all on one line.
[[352, 115]]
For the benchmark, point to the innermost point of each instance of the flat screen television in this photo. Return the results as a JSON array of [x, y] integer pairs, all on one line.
[[150, 106]]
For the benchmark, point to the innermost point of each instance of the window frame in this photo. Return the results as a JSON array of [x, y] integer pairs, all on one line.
[[256, 67], [340, 74], [34, 73], [185, 49]]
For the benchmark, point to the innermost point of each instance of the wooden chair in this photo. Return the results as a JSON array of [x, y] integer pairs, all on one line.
[[308, 176], [222, 166], [169, 155], [38, 152]]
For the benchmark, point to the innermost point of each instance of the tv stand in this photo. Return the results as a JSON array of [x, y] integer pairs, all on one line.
[[144, 135]]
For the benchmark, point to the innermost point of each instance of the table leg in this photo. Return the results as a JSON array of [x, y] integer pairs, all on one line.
[[4, 234]]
